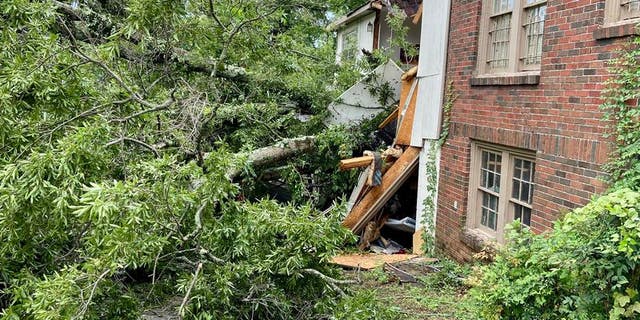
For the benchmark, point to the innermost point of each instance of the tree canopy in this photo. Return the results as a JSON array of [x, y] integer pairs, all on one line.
[[122, 126]]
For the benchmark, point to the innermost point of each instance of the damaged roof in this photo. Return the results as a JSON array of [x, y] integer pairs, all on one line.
[[410, 7]]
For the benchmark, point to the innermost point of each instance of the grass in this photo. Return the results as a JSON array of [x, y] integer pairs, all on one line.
[[437, 294]]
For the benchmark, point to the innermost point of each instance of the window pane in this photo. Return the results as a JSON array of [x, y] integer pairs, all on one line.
[[630, 9], [523, 214], [499, 33], [502, 6], [490, 170], [350, 45], [533, 31], [489, 211], [523, 172], [515, 193]]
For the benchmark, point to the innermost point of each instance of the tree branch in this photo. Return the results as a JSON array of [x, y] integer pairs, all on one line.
[[132, 140], [333, 283], [193, 282], [85, 306]]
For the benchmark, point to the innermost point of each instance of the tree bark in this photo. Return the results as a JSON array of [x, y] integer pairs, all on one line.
[[276, 153]]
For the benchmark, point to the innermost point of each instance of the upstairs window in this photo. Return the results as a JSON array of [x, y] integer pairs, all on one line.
[[511, 36], [350, 45], [622, 11]]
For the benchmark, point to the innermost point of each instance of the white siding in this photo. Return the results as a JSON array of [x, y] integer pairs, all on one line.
[[431, 70]]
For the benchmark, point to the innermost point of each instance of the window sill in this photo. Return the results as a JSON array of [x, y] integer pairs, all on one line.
[[617, 30], [510, 79], [476, 239]]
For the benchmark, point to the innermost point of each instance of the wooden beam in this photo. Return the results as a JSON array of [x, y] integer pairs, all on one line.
[[377, 197], [405, 127], [359, 162], [356, 193], [391, 117], [418, 15]]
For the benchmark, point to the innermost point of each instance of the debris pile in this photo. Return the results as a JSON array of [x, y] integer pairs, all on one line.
[[381, 208]]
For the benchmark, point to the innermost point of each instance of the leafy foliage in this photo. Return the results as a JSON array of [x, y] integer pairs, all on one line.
[[119, 124], [621, 106], [586, 268]]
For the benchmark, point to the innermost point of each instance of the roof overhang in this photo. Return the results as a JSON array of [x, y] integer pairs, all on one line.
[[366, 9]]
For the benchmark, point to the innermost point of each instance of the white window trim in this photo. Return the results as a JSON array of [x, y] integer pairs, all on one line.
[[516, 41], [505, 211], [341, 39]]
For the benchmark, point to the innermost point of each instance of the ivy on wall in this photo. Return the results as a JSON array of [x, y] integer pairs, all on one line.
[[429, 203], [621, 110]]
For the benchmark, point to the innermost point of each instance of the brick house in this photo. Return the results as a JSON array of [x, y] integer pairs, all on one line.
[[526, 136]]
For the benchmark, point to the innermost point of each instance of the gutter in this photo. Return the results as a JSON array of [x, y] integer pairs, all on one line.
[[372, 6]]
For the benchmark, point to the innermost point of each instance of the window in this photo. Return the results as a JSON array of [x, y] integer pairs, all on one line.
[[350, 45], [501, 189], [622, 11], [511, 36]]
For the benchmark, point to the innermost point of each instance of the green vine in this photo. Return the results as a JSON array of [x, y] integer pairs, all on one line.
[[621, 110], [429, 203]]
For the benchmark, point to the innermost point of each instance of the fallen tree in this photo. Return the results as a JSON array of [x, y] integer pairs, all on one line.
[[100, 217]]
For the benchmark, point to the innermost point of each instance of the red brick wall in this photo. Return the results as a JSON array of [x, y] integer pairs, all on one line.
[[558, 119]]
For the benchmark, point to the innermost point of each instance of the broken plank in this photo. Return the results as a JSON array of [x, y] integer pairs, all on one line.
[[375, 199], [408, 97], [389, 119], [359, 162], [357, 191], [418, 15], [403, 276]]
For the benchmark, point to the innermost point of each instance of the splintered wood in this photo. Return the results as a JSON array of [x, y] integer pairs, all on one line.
[[370, 261], [355, 163], [401, 160], [375, 199], [408, 97]]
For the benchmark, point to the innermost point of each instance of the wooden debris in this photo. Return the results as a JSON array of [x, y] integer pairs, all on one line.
[[408, 97], [352, 163], [356, 194], [410, 74], [393, 152], [369, 261], [418, 15], [389, 119], [403, 276], [418, 241], [375, 199]]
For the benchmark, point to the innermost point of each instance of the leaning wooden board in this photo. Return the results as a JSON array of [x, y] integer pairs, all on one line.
[[376, 197], [405, 130]]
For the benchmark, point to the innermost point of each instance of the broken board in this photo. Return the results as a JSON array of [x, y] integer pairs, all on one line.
[[376, 197], [408, 96], [370, 261]]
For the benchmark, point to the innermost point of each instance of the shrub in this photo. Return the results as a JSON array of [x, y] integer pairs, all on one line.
[[586, 268]]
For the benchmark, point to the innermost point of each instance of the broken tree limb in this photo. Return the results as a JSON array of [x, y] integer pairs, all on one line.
[[333, 283], [275, 153]]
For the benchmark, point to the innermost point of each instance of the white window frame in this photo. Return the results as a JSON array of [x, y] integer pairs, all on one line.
[[517, 39], [353, 29], [614, 15], [506, 207]]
